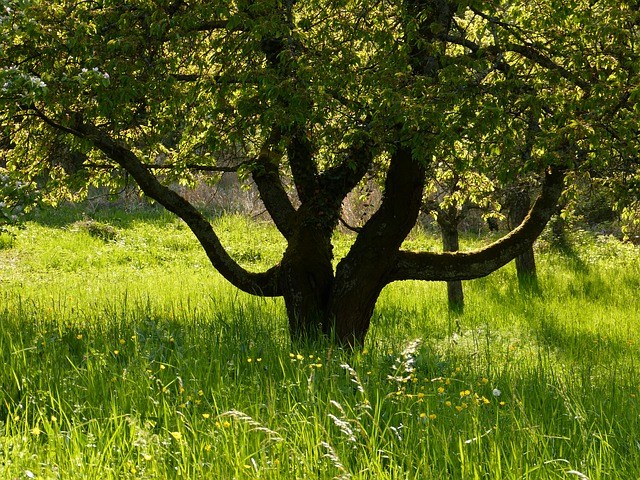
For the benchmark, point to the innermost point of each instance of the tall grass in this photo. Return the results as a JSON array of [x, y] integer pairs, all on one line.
[[126, 356]]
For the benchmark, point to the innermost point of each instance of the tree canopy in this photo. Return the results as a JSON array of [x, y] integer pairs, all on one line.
[[323, 93]]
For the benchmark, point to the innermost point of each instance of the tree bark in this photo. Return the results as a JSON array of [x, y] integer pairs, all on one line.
[[479, 263], [448, 221], [361, 275], [518, 202]]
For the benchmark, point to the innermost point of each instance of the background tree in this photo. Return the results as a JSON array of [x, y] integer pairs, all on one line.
[[323, 92]]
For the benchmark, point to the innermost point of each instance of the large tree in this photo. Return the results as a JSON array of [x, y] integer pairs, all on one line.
[[323, 92]]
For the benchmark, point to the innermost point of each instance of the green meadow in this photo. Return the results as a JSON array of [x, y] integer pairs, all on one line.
[[125, 355]]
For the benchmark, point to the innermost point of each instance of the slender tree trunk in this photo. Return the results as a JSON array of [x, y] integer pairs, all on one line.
[[519, 202], [448, 221]]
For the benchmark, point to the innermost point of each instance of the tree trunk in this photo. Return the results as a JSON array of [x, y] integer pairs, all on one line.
[[519, 202], [448, 221], [306, 280]]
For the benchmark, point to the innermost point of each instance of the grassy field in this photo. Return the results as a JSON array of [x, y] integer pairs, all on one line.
[[124, 355]]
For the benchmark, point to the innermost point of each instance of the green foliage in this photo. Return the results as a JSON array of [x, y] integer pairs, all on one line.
[[123, 362], [16, 199], [184, 82]]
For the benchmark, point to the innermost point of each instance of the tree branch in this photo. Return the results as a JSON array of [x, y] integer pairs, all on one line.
[[475, 264], [263, 284], [266, 175]]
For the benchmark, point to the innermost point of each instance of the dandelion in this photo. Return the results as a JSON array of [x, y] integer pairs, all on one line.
[[116, 352], [206, 415], [496, 392], [299, 357], [440, 389], [423, 415], [433, 416], [36, 431], [447, 403]]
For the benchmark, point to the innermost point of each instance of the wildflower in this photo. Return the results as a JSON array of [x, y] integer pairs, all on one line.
[[146, 456], [249, 360], [464, 393], [423, 415], [122, 341], [433, 416], [496, 392], [176, 435], [162, 367], [79, 336], [206, 415], [258, 359], [226, 424], [440, 389], [36, 431], [207, 448], [447, 403], [54, 418], [485, 380], [299, 357], [116, 352], [458, 408]]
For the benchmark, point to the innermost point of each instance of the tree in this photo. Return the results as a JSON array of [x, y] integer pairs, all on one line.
[[323, 92]]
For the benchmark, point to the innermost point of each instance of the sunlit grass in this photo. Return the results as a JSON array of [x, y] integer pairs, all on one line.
[[129, 357]]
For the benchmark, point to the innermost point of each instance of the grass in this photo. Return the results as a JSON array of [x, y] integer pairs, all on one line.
[[124, 355]]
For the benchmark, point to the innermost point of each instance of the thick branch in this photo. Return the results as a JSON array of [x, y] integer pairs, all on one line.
[[263, 284], [361, 274], [302, 163], [479, 263], [266, 176]]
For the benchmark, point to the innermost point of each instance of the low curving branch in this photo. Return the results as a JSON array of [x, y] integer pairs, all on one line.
[[262, 284], [448, 266]]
